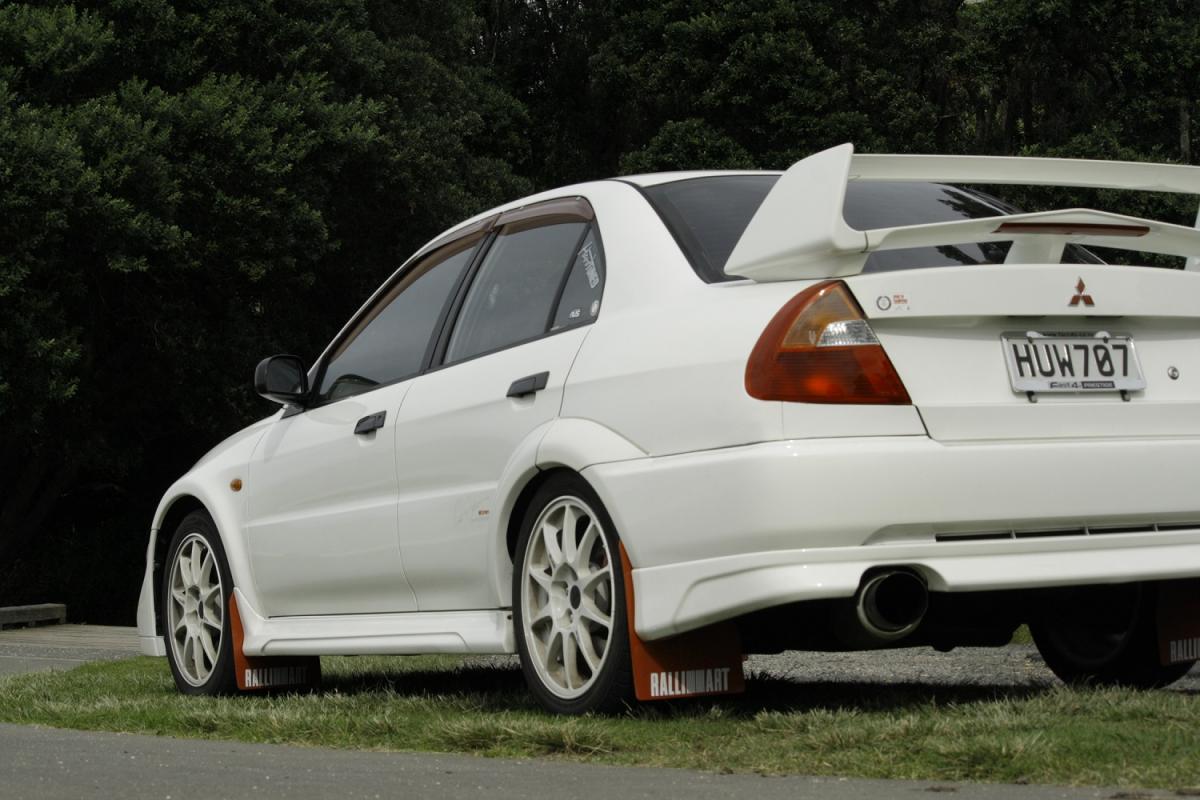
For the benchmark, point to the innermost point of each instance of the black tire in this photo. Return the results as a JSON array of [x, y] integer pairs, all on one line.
[[214, 676], [1105, 636], [609, 688]]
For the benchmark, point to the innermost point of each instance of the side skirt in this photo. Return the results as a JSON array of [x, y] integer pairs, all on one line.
[[411, 633]]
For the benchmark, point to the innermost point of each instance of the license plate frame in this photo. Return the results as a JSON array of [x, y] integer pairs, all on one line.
[[1072, 362]]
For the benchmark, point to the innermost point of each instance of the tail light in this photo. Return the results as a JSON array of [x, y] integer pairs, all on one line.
[[820, 349]]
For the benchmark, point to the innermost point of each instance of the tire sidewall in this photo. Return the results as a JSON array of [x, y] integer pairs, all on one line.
[[222, 679], [613, 689], [1133, 664]]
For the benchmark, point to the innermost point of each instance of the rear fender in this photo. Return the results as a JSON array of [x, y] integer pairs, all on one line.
[[571, 443]]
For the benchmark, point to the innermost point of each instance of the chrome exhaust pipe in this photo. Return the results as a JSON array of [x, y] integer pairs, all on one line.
[[891, 604]]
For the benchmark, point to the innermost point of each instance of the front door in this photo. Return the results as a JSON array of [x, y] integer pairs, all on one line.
[[322, 484], [321, 521]]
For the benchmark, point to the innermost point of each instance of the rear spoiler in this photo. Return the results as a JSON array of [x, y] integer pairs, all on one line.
[[799, 232]]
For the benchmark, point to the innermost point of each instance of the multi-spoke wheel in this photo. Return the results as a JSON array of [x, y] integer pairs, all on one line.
[[196, 587], [1105, 635], [568, 601]]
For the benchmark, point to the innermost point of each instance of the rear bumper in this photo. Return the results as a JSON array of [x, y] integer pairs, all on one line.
[[679, 597], [720, 533]]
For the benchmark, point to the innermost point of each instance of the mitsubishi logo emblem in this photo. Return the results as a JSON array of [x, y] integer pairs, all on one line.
[[1079, 295]]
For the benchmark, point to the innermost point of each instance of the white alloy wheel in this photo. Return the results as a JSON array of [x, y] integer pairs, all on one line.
[[566, 590], [196, 610]]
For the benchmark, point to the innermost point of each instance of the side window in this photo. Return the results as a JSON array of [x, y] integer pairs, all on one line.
[[511, 298], [389, 343], [580, 301]]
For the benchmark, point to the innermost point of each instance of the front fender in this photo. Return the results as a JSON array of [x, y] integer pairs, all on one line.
[[210, 483]]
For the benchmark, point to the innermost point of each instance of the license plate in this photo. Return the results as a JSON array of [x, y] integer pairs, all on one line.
[[1072, 362]]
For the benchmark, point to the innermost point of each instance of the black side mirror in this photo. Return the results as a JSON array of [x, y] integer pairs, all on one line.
[[282, 379]]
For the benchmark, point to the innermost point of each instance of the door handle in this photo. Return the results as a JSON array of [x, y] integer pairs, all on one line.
[[369, 423], [529, 384]]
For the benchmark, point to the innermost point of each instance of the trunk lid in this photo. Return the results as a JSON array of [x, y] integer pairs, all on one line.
[[942, 329]]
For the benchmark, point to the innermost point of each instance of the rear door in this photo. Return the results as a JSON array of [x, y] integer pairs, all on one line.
[[504, 361]]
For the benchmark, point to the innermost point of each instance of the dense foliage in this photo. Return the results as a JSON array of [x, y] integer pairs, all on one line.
[[188, 186]]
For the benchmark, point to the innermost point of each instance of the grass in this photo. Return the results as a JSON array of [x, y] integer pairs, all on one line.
[[1054, 735]]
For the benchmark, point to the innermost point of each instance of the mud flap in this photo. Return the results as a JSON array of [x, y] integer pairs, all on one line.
[[706, 661], [258, 673], [1178, 621]]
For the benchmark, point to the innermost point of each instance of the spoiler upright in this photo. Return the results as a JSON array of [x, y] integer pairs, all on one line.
[[800, 232]]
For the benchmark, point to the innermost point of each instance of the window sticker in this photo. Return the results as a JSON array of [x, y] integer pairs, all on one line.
[[589, 266], [595, 307]]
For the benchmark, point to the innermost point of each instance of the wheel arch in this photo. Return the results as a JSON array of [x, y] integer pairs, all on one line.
[[520, 505], [225, 509], [566, 446], [165, 526]]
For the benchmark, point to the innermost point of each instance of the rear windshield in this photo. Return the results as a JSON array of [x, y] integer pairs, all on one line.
[[708, 215]]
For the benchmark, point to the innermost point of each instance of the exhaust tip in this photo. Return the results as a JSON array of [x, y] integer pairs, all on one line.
[[892, 604]]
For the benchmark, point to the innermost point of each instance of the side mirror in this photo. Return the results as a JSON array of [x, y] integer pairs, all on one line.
[[282, 379]]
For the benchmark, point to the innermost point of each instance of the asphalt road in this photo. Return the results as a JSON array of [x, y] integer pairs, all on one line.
[[45, 763]]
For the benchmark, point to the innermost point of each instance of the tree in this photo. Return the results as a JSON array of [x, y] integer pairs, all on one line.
[[761, 81], [1084, 78], [190, 186], [187, 186]]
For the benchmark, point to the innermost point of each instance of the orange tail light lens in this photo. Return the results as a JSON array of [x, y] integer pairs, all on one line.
[[820, 349]]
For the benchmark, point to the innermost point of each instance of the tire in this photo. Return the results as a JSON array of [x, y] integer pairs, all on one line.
[[196, 589], [1105, 636], [569, 602]]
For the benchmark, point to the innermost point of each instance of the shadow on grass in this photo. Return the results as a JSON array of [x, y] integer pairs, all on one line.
[[767, 694], [502, 687], [496, 688]]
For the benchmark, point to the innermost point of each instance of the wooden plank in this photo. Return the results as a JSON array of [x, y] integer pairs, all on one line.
[[55, 613]]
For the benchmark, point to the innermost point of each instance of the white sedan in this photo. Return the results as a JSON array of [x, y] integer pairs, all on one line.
[[634, 429]]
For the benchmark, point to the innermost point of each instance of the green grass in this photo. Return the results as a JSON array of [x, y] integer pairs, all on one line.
[[1058, 735]]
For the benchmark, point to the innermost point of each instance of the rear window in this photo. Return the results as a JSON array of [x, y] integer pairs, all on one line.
[[708, 215]]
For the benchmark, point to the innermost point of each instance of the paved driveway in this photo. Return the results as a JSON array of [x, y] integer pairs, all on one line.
[[63, 646]]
